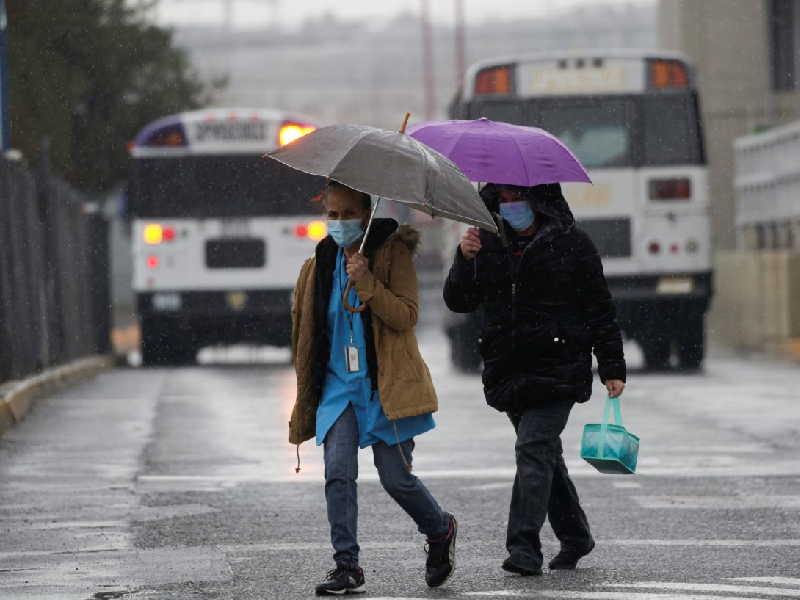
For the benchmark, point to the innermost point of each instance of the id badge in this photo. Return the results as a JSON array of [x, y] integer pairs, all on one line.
[[351, 359]]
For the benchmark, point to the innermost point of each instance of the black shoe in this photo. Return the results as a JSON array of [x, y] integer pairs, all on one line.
[[342, 580], [442, 556], [516, 563], [568, 559]]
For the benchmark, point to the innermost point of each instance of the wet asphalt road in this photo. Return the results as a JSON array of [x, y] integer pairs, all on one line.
[[179, 483]]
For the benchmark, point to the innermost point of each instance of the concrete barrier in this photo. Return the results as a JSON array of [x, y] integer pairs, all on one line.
[[17, 397], [757, 301]]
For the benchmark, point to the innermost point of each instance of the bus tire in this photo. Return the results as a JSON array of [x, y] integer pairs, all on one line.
[[691, 346], [464, 352], [656, 351], [163, 345]]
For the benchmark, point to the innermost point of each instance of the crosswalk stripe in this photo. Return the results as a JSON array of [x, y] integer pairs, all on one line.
[[708, 587]]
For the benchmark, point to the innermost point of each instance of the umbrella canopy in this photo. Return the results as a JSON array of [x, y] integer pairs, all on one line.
[[501, 153], [388, 164]]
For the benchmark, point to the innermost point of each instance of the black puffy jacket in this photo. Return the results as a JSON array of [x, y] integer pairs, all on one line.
[[542, 322]]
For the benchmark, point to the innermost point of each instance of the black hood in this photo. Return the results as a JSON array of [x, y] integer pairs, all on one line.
[[545, 199]]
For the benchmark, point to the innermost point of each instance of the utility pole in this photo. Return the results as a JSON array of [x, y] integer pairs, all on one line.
[[5, 142], [427, 62], [461, 50]]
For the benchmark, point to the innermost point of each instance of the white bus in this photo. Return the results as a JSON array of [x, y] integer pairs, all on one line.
[[218, 232], [633, 120]]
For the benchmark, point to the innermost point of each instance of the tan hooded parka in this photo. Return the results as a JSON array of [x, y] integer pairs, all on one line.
[[405, 387]]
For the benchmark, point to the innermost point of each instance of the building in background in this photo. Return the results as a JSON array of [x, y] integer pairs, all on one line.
[[746, 53]]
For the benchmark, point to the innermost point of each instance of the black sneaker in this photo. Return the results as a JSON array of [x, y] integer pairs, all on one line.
[[441, 556], [342, 580], [519, 564], [568, 559]]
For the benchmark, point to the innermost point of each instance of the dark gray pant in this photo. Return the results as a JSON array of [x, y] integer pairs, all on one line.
[[542, 487]]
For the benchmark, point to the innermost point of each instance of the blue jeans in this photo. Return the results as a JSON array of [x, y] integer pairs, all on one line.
[[341, 472], [542, 487]]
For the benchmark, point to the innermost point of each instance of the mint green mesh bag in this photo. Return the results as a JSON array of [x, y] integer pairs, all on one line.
[[609, 447]]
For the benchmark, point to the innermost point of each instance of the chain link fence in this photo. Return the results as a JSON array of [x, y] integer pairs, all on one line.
[[54, 274]]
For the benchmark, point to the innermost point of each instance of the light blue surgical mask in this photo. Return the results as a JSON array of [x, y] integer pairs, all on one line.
[[518, 214], [345, 232]]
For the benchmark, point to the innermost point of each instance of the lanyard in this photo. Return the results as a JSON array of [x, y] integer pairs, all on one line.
[[343, 275]]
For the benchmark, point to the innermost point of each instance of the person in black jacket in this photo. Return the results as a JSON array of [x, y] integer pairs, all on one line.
[[547, 308]]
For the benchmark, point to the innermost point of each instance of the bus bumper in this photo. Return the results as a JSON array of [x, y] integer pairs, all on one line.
[[220, 317]]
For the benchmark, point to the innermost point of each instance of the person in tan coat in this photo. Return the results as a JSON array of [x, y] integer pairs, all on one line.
[[361, 381]]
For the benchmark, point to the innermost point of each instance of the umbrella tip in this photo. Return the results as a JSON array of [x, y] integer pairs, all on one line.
[[405, 122]]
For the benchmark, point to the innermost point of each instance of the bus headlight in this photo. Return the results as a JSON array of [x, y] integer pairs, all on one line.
[[153, 234]]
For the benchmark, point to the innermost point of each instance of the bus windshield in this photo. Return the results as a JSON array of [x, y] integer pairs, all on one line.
[[218, 186], [611, 131]]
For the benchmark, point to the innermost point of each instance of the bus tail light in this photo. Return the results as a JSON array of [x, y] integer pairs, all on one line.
[[289, 132], [152, 262], [670, 189], [669, 74], [316, 230], [654, 247], [674, 248], [493, 80], [154, 234]]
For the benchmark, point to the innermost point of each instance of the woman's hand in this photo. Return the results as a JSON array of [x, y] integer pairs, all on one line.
[[615, 387], [470, 243], [357, 266]]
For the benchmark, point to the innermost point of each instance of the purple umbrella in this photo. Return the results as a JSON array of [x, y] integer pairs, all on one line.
[[501, 153]]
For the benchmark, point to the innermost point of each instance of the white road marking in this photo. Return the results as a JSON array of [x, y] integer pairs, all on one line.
[[708, 587], [718, 502], [788, 543], [772, 580], [625, 484], [593, 595]]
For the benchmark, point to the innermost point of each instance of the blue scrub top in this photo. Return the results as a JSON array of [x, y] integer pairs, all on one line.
[[342, 388]]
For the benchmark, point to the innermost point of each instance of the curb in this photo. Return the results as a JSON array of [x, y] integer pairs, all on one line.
[[17, 397]]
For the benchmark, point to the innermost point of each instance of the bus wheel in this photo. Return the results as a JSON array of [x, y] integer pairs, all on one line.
[[464, 352], [162, 345], [655, 349], [691, 345]]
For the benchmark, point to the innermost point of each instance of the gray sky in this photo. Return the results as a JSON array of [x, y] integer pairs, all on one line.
[[292, 13]]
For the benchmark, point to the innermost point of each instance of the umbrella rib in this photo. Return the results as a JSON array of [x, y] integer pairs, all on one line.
[[519, 151]]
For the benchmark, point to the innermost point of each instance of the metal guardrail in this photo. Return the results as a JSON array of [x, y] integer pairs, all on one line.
[[54, 274]]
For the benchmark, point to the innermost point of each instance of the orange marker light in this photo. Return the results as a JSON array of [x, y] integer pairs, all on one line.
[[317, 230], [291, 131], [153, 234]]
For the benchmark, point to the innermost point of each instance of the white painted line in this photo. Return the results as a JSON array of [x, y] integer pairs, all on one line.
[[625, 484], [708, 587], [701, 543], [718, 502], [772, 580], [592, 595], [489, 486]]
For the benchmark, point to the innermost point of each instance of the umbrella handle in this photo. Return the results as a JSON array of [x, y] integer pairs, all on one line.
[[361, 308]]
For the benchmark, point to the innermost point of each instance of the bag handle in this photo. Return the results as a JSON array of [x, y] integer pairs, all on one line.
[[601, 442]]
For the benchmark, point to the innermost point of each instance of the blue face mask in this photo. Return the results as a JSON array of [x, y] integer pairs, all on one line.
[[518, 214], [345, 232]]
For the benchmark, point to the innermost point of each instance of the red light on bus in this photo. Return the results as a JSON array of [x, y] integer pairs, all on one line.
[[289, 132], [152, 262], [169, 234], [670, 189], [300, 231], [669, 74], [494, 80], [674, 248], [654, 247]]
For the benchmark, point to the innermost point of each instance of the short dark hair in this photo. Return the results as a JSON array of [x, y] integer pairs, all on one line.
[[332, 184]]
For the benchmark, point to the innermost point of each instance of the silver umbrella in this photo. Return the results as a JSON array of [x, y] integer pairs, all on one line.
[[392, 165]]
